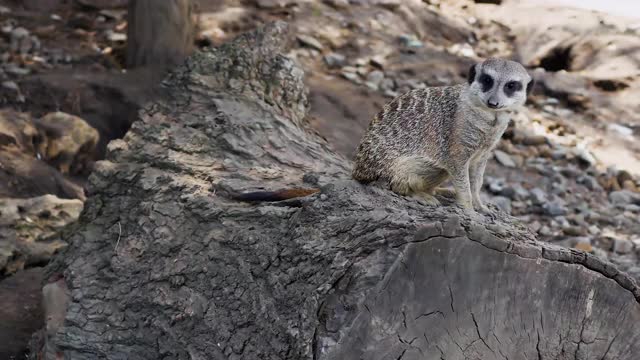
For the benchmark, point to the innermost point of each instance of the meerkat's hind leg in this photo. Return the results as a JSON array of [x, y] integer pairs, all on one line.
[[417, 177], [448, 193]]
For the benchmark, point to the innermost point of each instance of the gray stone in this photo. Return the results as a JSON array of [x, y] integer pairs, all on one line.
[[589, 182], [410, 41], [14, 69], [624, 197], [504, 159], [335, 60], [554, 208], [622, 246], [620, 130], [375, 77], [116, 36], [338, 4], [378, 61], [387, 84], [538, 196], [350, 76], [503, 203], [310, 41]]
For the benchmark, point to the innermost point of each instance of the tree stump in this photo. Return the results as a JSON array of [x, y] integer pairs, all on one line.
[[160, 34], [164, 265]]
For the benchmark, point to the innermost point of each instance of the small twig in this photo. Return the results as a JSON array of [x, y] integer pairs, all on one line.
[[119, 235]]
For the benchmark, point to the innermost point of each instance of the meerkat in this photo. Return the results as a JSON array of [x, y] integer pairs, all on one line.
[[426, 136]]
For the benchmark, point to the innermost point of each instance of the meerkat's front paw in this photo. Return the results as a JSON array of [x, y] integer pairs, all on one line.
[[428, 199], [482, 209]]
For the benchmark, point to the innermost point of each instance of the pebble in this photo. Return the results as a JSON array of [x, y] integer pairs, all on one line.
[[554, 208], [410, 41], [504, 159], [589, 182], [538, 196], [624, 197], [350, 76], [620, 130], [574, 230], [14, 69], [581, 243], [622, 246], [335, 60], [545, 231], [378, 61], [338, 4], [387, 84], [534, 140], [585, 155], [462, 50], [375, 77], [309, 41], [502, 202], [116, 36]]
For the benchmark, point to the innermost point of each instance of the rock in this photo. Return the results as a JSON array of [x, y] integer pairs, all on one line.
[[335, 60], [21, 40], [582, 243], [350, 76], [68, 142], [103, 4], [622, 176], [620, 130], [624, 197], [338, 4], [28, 229], [534, 140], [410, 41], [632, 208], [538, 196], [310, 41], [574, 230], [389, 4], [622, 246], [589, 182], [503, 203], [387, 84], [581, 152], [504, 159], [375, 77], [630, 185], [4, 10], [16, 70], [554, 208], [116, 36], [462, 50], [378, 61]]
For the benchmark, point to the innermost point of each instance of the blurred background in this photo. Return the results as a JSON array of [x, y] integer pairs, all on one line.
[[74, 73]]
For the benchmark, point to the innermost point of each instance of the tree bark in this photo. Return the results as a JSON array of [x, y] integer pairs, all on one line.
[[164, 265], [160, 34]]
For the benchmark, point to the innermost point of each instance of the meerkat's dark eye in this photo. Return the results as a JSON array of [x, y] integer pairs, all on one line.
[[511, 87], [486, 81]]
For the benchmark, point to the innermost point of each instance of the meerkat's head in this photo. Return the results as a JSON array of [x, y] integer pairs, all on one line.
[[499, 85]]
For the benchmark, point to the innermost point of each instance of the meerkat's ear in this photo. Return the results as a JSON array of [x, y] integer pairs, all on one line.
[[472, 74], [530, 86]]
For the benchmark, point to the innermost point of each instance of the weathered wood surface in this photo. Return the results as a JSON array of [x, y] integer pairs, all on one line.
[[163, 265]]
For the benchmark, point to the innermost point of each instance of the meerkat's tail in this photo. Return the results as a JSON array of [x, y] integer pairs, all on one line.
[[278, 195]]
